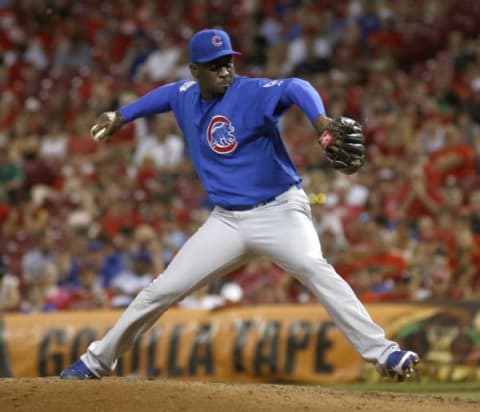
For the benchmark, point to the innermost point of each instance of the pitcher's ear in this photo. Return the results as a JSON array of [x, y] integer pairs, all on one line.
[[194, 70]]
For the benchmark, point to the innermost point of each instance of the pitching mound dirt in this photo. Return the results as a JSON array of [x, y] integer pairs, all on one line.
[[138, 395]]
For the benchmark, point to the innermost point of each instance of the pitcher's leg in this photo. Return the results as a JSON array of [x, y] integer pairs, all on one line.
[[345, 309], [212, 251], [288, 237]]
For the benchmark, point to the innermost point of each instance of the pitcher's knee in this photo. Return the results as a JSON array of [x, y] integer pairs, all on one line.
[[159, 294], [313, 266]]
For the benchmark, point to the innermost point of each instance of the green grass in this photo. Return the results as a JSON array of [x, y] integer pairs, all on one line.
[[464, 390]]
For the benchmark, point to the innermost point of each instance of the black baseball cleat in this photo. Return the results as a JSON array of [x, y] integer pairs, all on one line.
[[77, 371], [400, 364]]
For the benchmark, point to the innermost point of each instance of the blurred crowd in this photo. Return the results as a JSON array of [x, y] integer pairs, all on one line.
[[85, 225]]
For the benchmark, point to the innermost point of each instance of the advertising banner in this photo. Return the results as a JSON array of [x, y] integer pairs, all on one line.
[[294, 343]]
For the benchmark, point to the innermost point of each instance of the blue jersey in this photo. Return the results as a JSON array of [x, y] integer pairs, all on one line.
[[234, 141]]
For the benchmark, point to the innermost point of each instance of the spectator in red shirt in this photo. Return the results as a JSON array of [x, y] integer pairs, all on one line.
[[387, 41], [79, 141], [419, 193], [454, 159], [262, 281], [465, 265]]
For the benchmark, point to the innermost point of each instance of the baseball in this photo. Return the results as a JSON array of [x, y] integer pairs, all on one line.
[[97, 131]]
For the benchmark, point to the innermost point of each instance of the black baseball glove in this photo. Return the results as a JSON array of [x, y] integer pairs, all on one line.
[[344, 144]]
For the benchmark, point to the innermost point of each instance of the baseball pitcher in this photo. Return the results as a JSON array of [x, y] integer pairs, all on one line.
[[230, 124]]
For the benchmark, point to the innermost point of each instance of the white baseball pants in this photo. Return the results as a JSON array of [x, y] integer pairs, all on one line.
[[281, 230]]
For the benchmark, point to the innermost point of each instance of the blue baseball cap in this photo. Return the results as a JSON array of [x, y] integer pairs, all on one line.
[[209, 44]]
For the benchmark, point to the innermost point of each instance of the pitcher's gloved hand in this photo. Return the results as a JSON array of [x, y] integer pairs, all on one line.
[[105, 125], [344, 144]]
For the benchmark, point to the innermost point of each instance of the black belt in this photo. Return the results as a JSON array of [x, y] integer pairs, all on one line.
[[262, 203]]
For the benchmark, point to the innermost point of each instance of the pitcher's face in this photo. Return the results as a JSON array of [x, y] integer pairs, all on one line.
[[215, 77]]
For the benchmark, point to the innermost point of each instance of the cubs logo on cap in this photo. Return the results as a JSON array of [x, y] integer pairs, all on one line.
[[210, 44], [217, 41]]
